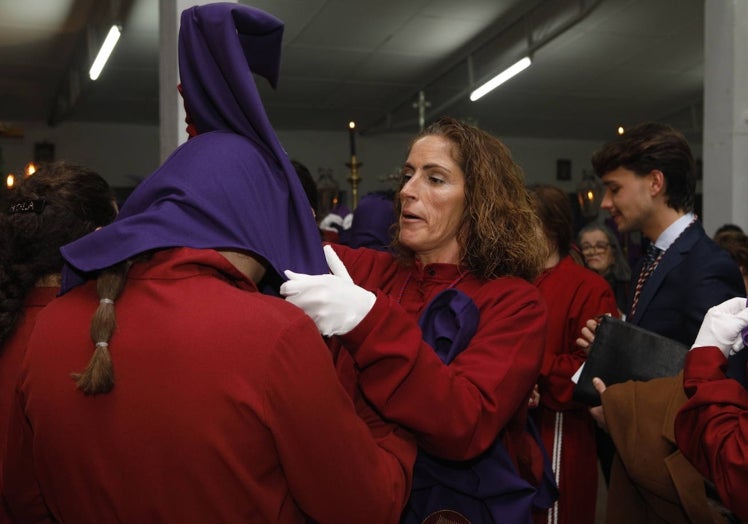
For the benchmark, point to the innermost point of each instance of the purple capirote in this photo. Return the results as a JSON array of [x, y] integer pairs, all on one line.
[[233, 185]]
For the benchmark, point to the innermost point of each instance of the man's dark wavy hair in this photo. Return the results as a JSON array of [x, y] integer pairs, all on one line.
[[652, 146]]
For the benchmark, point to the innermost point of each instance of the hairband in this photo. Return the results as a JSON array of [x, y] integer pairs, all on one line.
[[106, 301], [27, 206], [102, 344]]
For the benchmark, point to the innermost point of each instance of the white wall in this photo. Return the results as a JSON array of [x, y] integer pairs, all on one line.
[[380, 155], [122, 153], [383, 154]]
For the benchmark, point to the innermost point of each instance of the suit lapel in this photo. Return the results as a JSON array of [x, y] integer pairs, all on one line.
[[675, 254]]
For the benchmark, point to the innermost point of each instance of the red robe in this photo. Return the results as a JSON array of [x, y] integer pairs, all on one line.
[[226, 408], [456, 411], [573, 294], [711, 428], [11, 355]]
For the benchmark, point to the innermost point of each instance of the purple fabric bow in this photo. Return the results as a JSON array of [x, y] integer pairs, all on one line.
[[488, 488], [232, 186], [449, 322]]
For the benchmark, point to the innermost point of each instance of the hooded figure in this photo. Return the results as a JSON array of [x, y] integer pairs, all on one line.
[[233, 186], [372, 223], [227, 407]]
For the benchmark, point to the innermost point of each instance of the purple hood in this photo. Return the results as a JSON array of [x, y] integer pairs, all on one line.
[[232, 186]]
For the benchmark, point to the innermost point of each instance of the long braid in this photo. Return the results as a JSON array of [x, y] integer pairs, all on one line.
[[98, 376]]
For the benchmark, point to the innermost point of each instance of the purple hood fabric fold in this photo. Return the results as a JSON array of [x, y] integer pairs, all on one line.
[[233, 185], [372, 223]]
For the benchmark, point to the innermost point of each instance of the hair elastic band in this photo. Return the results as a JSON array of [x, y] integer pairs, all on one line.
[[102, 344], [106, 301]]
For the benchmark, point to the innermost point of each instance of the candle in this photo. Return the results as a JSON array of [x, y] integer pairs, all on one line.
[[352, 135]]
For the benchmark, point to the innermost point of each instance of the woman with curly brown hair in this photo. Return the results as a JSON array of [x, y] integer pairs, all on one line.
[[446, 336]]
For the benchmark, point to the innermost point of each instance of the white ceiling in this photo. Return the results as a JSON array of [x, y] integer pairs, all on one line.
[[366, 60]]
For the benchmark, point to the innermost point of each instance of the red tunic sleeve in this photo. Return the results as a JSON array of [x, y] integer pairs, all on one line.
[[711, 428], [456, 411], [574, 295]]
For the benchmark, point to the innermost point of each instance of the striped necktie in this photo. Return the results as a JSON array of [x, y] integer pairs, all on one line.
[[651, 259]]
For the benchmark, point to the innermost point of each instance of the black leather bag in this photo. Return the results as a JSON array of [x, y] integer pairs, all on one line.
[[622, 351]]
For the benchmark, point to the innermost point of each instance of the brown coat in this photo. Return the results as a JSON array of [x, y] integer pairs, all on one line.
[[651, 482]]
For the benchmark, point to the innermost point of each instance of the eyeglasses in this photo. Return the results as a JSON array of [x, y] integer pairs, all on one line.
[[595, 248]]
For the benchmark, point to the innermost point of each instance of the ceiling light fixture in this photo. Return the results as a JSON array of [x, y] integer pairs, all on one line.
[[106, 49], [499, 79]]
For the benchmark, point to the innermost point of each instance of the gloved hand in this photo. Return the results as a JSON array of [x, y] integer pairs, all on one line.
[[722, 326], [334, 302], [330, 222]]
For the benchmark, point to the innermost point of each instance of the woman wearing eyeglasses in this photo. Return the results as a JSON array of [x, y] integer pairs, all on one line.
[[603, 254]]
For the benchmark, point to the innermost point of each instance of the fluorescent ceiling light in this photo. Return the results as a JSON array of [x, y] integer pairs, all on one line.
[[106, 49], [499, 79]]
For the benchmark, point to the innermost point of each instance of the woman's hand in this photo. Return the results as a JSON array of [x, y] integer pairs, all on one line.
[[534, 397], [587, 335]]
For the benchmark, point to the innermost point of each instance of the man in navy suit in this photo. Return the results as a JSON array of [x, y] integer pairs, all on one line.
[[650, 177]]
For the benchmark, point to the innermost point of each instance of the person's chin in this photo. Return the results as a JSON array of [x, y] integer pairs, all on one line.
[[406, 240], [621, 224], [410, 234]]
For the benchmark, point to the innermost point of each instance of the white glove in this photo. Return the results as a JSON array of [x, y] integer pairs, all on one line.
[[330, 221], [722, 326], [348, 221], [334, 302]]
